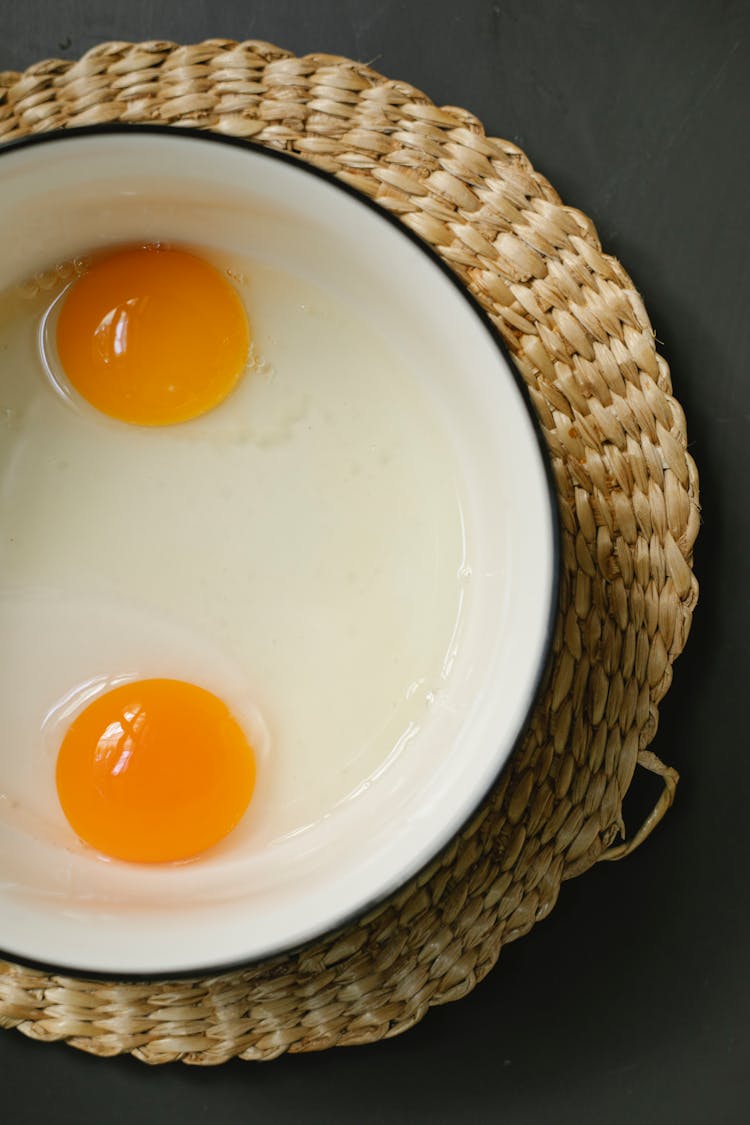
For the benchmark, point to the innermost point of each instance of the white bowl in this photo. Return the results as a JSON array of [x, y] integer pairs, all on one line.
[[67, 193]]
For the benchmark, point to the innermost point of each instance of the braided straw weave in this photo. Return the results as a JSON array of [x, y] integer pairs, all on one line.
[[628, 495]]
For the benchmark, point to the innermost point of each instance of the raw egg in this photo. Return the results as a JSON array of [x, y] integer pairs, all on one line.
[[294, 551], [152, 336], [154, 770]]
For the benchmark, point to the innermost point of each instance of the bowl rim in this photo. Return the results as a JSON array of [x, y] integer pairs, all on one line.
[[544, 665]]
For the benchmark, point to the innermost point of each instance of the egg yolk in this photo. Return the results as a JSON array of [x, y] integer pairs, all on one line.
[[154, 771], [152, 336]]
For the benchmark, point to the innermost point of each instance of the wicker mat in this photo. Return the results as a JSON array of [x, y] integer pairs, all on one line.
[[628, 494]]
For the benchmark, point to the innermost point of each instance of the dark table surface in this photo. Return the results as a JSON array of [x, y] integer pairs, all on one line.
[[632, 1002]]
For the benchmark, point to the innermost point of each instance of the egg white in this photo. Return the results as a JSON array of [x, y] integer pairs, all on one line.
[[299, 551]]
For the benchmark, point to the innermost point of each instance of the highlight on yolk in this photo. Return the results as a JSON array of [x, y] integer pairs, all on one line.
[[153, 336], [154, 771]]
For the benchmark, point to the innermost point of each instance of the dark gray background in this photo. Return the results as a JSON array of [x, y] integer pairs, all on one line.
[[632, 1002]]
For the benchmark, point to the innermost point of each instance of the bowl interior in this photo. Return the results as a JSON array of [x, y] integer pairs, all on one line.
[[78, 192]]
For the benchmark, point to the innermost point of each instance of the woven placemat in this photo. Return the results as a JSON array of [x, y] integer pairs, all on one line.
[[628, 495]]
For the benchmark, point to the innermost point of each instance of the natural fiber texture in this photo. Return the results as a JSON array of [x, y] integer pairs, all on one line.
[[628, 496]]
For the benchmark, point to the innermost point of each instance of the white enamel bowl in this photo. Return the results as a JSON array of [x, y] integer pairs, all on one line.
[[68, 193]]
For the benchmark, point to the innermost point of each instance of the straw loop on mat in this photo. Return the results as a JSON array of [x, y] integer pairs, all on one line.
[[628, 497], [648, 761]]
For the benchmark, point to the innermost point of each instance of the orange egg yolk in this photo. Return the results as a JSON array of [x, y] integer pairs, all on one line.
[[152, 336], [154, 771]]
